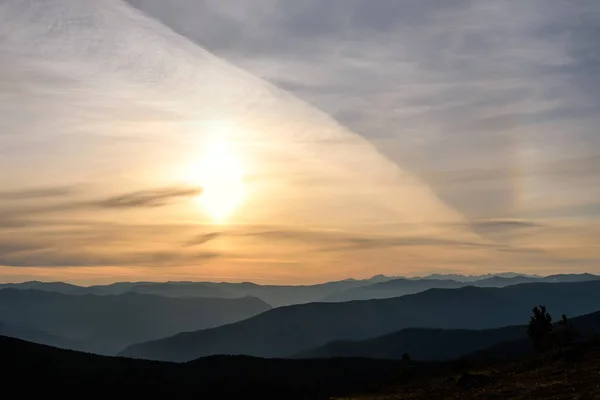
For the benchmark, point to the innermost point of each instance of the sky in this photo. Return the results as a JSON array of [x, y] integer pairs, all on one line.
[[280, 141]]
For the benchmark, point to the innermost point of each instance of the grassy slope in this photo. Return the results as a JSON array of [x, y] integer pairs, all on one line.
[[34, 370], [572, 373]]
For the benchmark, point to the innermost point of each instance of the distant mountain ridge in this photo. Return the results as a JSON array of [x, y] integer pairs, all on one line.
[[272, 294], [105, 324], [287, 331], [275, 295], [403, 286], [473, 278], [283, 295]]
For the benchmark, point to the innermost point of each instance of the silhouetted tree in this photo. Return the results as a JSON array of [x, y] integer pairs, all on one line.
[[406, 357], [540, 326], [568, 334]]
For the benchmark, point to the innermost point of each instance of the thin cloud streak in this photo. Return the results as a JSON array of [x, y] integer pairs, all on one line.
[[335, 241], [37, 193], [45, 257], [146, 198], [150, 198]]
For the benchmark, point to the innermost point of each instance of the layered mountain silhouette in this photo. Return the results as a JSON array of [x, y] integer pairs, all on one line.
[[70, 373], [401, 287], [473, 278], [106, 324], [446, 344], [58, 287], [377, 287], [394, 288], [275, 295], [567, 372], [67, 288], [288, 331], [36, 336]]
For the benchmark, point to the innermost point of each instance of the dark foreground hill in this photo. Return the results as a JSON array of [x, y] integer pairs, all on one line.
[[106, 324], [446, 344], [30, 369], [570, 373], [33, 370], [287, 331]]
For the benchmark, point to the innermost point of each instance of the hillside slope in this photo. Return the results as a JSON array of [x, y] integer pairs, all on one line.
[[568, 373], [444, 344], [562, 374], [36, 336], [106, 324], [286, 331], [70, 374]]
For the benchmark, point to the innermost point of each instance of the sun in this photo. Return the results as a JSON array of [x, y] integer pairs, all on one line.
[[220, 173]]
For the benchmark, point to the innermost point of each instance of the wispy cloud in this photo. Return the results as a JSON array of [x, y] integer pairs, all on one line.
[[203, 238], [101, 258], [327, 240], [146, 198], [505, 224], [149, 198], [36, 193]]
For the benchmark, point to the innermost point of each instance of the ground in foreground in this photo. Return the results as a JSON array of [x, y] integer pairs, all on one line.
[[568, 373]]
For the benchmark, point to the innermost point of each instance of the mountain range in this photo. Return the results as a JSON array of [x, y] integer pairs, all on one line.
[[106, 324], [376, 287], [288, 331], [403, 286], [36, 336], [275, 295], [445, 344]]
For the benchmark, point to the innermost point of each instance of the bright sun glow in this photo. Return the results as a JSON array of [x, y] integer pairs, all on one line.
[[220, 173]]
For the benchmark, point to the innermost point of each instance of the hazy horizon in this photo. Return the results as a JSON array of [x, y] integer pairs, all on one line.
[[448, 275], [297, 142]]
